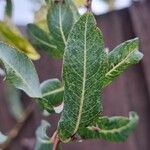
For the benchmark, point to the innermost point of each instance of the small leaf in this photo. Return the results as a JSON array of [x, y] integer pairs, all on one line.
[[12, 36], [43, 142], [14, 102], [111, 129], [43, 40], [20, 71], [52, 94], [58, 26], [84, 65], [123, 56]]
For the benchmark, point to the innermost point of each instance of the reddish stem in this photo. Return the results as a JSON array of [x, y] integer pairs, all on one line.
[[56, 143]]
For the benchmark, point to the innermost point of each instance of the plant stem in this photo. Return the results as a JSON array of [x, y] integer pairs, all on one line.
[[17, 128], [89, 4], [56, 141]]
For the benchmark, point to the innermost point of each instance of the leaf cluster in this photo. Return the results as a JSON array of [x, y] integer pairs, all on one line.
[[87, 70]]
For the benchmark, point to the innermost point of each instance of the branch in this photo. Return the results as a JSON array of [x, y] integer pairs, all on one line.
[[89, 5], [17, 128], [56, 141]]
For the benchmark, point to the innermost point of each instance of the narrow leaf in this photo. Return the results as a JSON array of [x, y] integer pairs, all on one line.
[[43, 40], [12, 36], [43, 142], [52, 94], [84, 65], [123, 56], [58, 26], [111, 129], [20, 71]]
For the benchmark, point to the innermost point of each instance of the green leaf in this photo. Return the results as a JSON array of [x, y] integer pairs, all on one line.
[[43, 142], [52, 94], [20, 71], [84, 65], [74, 9], [60, 22], [43, 40], [111, 129], [123, 56], [10, 33]]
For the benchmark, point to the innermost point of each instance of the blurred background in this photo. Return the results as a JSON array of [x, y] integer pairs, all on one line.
[[119, 20]]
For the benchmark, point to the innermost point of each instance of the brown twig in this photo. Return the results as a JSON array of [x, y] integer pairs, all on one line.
[[56, 141], [17, 128], [88, 5]]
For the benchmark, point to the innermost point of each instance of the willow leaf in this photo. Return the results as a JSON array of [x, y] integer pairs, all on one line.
[[58, 26], [52, 94], [43, 40], [123, 56], [111, 129], [20, 71], [10, 33], [84, 65], [74, 9], [43, 142]]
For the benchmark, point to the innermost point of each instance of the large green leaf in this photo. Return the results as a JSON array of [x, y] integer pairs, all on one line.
[[43, 40], [19, 70], [60, 21], [111, 129], [52, 94], [84, 65], [43, 142], [123, 56]]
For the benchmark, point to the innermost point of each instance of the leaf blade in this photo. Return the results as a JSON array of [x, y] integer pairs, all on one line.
[[81, 76], [114, 129], [52, 94], [19, 70], [123, 56]]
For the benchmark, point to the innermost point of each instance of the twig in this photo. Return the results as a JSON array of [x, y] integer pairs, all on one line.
[[89, 4], [56, 141], [17, 128]]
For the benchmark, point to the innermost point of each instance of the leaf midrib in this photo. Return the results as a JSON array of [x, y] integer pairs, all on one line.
[[17, 73], [53, 92], [60, 25], [45, 43], [84, 79], [119, 64]]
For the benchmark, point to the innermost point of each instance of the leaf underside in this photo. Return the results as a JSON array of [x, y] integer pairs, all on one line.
[[84, 65], [43, 142], [20, 71], [112, 129]]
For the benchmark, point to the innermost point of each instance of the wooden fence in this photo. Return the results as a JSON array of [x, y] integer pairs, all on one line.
[[130, 92]]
